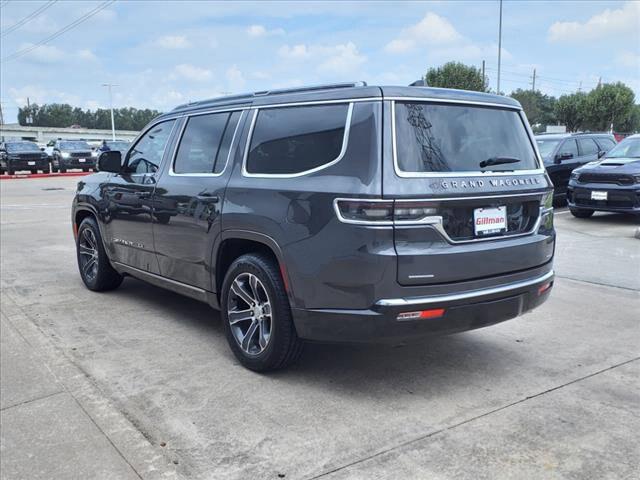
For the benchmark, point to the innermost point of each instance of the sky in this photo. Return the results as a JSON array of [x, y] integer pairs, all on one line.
[[164, 53]]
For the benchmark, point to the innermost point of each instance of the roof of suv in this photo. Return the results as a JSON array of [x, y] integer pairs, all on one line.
[[343, 91], [559, 136]]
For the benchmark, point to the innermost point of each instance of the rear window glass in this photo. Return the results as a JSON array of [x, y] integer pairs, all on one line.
[[460, 138], [606, 143], [588, 146], [296, 139]]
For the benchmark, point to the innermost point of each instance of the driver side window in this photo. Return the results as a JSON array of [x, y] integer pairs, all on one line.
[[146, 155]]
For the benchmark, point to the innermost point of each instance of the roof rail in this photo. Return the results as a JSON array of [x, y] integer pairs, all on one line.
[[419, 83], [262, 93]]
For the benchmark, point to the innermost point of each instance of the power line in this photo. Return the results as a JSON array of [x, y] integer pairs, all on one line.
[[3, 4], [29, 17], [55, 35]]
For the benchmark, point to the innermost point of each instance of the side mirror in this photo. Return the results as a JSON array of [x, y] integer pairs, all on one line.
[[601, 153], [563, 156], [110, 161]]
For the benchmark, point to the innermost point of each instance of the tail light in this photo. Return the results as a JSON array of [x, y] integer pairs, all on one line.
[[382, 212]]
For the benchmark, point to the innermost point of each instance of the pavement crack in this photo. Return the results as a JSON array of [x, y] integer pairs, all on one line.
[[26, 402], [601, 284], [469, 420]]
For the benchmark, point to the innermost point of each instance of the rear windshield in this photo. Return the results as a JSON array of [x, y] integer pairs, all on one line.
[[22, 147], [78, 145], [460, 138]]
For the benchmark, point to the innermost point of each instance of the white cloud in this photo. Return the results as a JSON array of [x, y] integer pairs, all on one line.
[[38, 94], [86, 54], [262, 31], [334, 59], [431, 30], [235, 78], [617, 23], [43, 53], [173, 42], [343, 59], [191, 72]]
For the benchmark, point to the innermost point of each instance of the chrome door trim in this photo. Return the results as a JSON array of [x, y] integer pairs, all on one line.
[[401, 173], [404, 302], [345, 143]]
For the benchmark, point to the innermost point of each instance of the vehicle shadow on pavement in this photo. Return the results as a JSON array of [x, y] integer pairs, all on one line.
[[605, 218], [353, 369]]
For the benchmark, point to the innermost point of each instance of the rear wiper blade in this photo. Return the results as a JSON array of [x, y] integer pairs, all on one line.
[[498, 161]]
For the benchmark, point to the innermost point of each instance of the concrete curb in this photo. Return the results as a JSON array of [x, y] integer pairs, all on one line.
[[22, 176]]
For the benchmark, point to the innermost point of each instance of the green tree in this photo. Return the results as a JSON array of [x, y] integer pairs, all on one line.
[[570, 110], [609, 104], [538, 107], [457, 75]]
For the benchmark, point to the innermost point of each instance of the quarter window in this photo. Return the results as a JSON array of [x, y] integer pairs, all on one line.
[[200, 144], [588, 146], [146, 155], [293, 140]]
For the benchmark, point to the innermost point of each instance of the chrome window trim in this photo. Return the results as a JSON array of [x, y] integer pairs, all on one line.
[[452, 100], [172, 173], [316, 102], [343, 150], [403, 302], [403, 174]]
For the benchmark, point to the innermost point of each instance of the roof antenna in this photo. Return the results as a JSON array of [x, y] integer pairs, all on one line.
[[419, 83]]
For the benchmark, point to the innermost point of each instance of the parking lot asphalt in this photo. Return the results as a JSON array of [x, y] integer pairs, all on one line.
[[139, 382]]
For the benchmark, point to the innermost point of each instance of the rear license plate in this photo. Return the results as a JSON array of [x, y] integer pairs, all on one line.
[[31, 163], [487, 221], [597, 195], [81, 160]]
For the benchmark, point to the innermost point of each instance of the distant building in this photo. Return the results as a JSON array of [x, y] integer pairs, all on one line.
[[42, 135], [556, 129]]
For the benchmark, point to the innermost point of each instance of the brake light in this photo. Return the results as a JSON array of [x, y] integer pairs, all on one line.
[[422, 314], [378, 212]]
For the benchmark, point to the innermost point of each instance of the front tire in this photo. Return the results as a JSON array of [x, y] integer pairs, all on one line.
[[581, 212], [95, 269], [257, 316]]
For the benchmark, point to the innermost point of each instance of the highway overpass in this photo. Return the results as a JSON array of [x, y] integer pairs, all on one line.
[[42, 135]]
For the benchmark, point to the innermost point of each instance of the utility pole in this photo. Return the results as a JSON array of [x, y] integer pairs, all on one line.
[[499, 45], [533, 83], [580, 87], [599, 82], [113, 123], [484, 83], [28, 118]]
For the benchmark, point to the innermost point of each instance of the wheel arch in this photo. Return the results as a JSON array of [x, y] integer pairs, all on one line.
[[234, 243]]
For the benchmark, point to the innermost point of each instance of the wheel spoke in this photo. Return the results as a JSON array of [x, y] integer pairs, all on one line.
[[240, 291], [266, 309], [262, 340], [88, 236], [253, 283], [84, 250], [236, 316], [246, 340], [89, 265]]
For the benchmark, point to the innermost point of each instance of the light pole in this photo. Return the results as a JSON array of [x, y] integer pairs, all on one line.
[[499, 45], [113, 123]]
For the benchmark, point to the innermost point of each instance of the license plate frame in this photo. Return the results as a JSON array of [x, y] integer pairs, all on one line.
[[489, 220], [31, 163], [599, 195]]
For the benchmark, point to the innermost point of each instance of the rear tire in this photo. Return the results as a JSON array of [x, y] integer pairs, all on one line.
[[95, 269], [11, 171], [581, 212], [273, 343], [33, 172], [63, 170]]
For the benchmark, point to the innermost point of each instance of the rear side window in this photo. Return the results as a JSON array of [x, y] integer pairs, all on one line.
[[588, 146], [569, 146], [606, 144], [460, 138], [200, 143], [293, 140]]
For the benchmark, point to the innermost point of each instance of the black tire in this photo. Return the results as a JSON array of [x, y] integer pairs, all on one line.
[[11, 171], [581, 212], [100, 276], [33, 172], [283, 346], [53, 168], [63, 170]]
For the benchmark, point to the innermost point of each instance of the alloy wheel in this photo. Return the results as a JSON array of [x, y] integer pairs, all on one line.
[[249, 313], [88, 249]]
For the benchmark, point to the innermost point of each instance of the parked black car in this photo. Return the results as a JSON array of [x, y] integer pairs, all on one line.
[[16, 156], [341, 213], [562, 153], [610, 185], [107, 145], [68, 154]]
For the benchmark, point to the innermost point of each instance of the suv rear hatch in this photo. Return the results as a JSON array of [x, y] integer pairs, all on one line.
[[470, 200]]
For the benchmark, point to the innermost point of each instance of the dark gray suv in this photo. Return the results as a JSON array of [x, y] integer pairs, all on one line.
[[339, 213]]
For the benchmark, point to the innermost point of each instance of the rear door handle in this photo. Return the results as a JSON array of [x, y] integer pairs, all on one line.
[[208, 197]]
